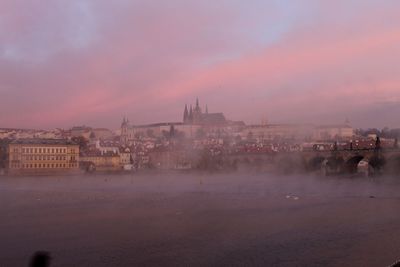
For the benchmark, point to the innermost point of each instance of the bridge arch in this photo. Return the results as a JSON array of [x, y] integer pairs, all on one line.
[[316, 163], [335, 164], [363, 167], [351, 165]]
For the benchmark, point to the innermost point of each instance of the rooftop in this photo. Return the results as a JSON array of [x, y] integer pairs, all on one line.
[[156, 124], [36, 141], [213, 118]]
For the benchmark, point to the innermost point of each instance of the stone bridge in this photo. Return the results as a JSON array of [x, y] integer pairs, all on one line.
[[367, 161]]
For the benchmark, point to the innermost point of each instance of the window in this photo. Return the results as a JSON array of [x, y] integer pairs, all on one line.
[[35, 150], [40, 150], [23, 150]]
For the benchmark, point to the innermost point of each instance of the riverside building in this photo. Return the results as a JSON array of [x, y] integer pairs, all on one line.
[[43, 156]]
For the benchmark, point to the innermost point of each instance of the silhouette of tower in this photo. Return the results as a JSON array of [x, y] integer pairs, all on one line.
[[197, 114], [185, 115], [124, 130], [190, 120]]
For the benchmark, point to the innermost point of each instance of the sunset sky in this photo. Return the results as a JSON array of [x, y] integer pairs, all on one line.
[[74, 62]]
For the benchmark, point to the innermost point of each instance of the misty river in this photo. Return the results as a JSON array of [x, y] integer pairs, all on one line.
[[175, 219]]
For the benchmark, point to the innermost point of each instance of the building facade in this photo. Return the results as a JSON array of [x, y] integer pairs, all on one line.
[[274, 132], [131, 132], [333, 132], [101, 161], [43, 156]]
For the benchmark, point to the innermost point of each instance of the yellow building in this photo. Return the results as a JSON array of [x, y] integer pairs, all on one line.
[[43, 156], [101, 161]]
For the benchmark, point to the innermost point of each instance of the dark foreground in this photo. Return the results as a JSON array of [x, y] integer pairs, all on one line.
[[199, 220]]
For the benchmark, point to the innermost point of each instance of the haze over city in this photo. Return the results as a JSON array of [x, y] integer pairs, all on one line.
[[199, 133], [65, 63]]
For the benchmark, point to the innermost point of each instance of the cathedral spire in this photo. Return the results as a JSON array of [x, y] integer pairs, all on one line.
[[185, 114], [206, 109], [190, 114], [197, 102]]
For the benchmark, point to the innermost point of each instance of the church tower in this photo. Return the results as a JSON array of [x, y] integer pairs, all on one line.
[[197, 113], [185, 115], [197, 109], [124, 130], [190, 118]]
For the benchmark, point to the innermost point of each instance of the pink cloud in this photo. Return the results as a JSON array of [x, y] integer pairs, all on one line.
[[147, 60]]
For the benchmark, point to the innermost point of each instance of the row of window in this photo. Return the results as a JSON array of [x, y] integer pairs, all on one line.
[[15, 157], [43, 150], [45, 158], [43, 166]]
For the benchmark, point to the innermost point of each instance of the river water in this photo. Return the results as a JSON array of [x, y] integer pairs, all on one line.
[[241, 219]]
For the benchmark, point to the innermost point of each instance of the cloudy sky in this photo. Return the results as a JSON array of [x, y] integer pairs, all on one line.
[[74, 62]]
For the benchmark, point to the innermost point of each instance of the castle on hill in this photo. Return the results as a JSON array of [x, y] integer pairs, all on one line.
[[198, 117]]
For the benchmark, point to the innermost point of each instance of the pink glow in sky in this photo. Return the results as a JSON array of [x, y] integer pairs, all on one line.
[[66, 62]]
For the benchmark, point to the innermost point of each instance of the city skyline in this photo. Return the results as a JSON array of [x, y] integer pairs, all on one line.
[[65, 63]]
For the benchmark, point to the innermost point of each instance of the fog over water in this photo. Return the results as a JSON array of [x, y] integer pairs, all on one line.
[[177, 219]]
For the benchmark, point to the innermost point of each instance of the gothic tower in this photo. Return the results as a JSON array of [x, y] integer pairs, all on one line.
[[197, 114], [190, 118], [185, 115], [124, 130]]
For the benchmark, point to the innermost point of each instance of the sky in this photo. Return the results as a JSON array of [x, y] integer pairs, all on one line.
[[91, 62]]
